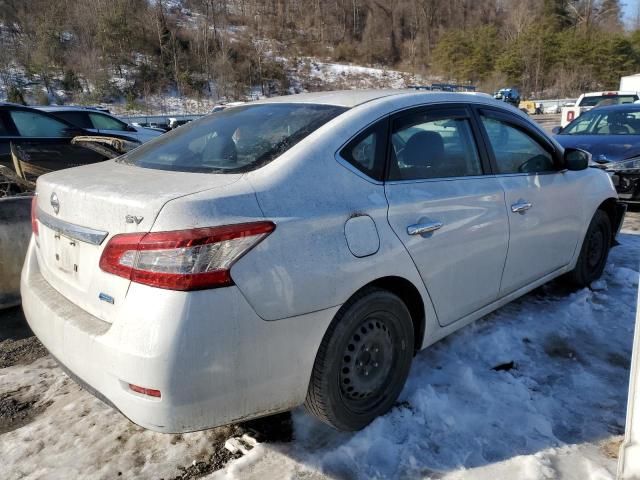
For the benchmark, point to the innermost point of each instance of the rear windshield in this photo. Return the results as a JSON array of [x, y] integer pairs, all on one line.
[[234, 140], [602, 100]]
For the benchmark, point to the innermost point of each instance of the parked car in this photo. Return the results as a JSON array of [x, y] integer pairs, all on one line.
[[158, 127], [612, 135], [35, 129], [625, 175], [302, 249], [555, 108], [223, 106], [509, 95], [590, 100], [100, 122]]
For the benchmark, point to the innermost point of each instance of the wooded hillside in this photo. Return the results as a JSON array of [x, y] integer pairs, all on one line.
[[103, 50]]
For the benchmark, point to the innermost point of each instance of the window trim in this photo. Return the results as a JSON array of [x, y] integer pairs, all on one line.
[[7, 121], [521, 125], [440, 111], [60, 116], [361, 133], [12, 123], [117, 120]]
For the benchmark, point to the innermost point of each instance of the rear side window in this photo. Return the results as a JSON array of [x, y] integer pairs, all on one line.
[[429, 146], [79, 119], [234, 140], [4, 131], [35, 124], [514, 150], [367, 151], [105, 122]]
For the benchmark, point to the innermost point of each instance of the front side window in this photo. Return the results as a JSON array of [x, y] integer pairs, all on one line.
[[35, 124], [514, 150], [105, 122], [427, 146], [234, 140]]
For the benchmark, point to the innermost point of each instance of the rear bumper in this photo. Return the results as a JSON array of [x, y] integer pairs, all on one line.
[[213, 359]]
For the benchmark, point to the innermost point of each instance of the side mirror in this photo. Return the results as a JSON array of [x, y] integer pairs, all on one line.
[[131, 128], [576, 159], [556, 130]]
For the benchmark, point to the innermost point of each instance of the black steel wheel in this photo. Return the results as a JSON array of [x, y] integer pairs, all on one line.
[[363, 361], [594, 252]]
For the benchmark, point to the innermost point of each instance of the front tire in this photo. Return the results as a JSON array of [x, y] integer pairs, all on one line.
[[363, 361], [594, 252]]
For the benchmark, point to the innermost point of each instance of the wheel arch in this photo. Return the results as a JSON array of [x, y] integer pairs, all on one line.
[[411, 297], [611, 207]]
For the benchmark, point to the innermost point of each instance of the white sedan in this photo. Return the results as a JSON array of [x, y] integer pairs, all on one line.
[[301, 250]]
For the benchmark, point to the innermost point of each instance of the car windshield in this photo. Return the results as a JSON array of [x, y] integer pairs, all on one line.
[[233, 140], [605, 122], [603, 100]]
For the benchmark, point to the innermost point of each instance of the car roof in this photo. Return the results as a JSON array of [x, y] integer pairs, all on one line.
[[69, 108], [17, 106], [353, 98], [608, 92]]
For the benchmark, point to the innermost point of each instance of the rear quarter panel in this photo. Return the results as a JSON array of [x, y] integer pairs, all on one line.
[[305, 265]]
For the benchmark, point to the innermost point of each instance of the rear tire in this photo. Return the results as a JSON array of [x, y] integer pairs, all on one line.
[[363, 361], [594, 252]]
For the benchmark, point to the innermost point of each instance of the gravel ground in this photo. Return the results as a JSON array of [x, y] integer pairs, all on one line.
[[21, 406]]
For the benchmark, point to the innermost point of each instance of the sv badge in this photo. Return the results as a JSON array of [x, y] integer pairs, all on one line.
[[133, 219]]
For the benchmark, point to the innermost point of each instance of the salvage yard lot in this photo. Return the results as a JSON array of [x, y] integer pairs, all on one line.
[[535, 390]]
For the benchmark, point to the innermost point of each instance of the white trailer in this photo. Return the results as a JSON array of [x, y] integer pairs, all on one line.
[[630, 83], [629, 459]]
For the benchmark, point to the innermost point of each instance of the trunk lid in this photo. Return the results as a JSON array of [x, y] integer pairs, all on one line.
[[94, 203]]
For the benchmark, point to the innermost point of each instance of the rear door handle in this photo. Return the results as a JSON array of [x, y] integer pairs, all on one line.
[[422, 228], [521, 207]]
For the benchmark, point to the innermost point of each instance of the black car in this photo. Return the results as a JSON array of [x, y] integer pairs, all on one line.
[[31, 129], [612, 135], [509, 95]]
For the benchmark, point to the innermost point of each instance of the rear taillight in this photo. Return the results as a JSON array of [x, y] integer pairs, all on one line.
[[184, 259], [34, 215]]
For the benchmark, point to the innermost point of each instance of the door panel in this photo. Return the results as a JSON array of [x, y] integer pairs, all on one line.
[[542, 232], [543, 237], [450, 217], [460, 263]]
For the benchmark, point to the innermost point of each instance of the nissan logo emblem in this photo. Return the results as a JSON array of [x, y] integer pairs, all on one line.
[[55, 203]]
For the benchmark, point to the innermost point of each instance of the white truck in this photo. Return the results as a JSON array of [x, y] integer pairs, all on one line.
[[587, 101]]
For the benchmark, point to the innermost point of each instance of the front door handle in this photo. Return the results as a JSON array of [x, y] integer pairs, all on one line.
[[422, 228], [521, 207]]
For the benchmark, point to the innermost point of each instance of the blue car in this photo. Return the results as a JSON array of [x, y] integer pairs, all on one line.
[[612, 135]]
